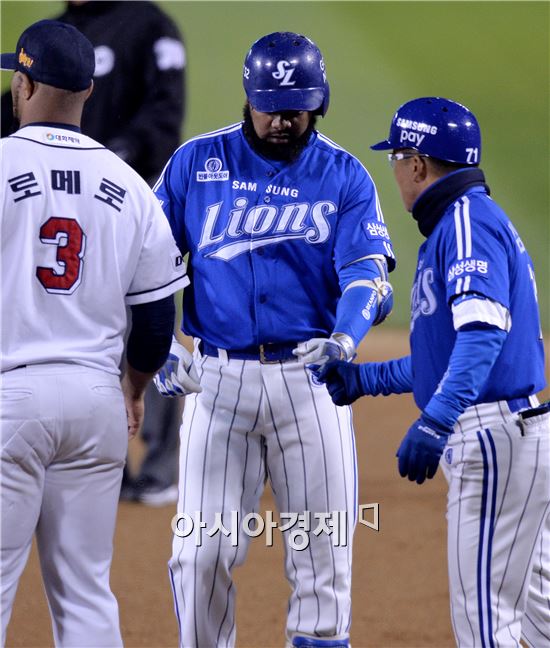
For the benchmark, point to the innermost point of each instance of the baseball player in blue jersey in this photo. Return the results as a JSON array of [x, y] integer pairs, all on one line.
[[476, 364], [289, 256]]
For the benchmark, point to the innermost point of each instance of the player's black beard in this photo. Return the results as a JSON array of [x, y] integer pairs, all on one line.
[[288, 152]]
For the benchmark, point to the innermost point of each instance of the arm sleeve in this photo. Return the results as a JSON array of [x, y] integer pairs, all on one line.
[[473, 356], [358, 305], [151, 334]]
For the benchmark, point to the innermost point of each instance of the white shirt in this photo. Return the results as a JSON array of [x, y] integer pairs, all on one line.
[[81, 235]]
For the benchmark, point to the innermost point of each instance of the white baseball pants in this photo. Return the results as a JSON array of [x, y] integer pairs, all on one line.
[[63, 446], [252, 422], [498, 514]]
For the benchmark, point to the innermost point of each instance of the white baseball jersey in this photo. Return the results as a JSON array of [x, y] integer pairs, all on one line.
[[81, 235], [79, 231]]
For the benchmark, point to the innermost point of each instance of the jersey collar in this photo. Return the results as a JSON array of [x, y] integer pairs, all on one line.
[[70, 127], [432, 203]]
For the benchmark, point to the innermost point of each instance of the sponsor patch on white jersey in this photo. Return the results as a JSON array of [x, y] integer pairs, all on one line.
[[60, 138]]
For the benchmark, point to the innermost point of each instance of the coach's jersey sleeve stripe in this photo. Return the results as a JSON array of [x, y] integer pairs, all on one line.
[[481, 310], [463, 232], [467, 227], [458, 231]]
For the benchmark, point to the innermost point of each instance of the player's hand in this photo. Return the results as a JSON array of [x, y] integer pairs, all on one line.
[[316, 352], [178, 376], [419, 453], [133, 387], [135, 411], [343, 381]]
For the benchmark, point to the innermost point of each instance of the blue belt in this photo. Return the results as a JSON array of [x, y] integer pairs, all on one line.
[[516, 404], [266, 353]]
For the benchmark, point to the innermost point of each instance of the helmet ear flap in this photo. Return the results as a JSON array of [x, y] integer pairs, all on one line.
[[286, 71], [322, 110]]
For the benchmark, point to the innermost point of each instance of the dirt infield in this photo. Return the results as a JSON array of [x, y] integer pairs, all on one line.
[[400, 595]]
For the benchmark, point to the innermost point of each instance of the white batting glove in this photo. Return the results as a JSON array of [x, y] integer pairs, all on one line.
[[319, 351], [178, 376]]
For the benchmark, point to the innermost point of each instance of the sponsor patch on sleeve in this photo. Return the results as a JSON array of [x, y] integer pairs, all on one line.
[[376, 230], [466, 267]]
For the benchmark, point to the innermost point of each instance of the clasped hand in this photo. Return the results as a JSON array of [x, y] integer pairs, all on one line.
[[178, 376], [343, 381], [316, 352]]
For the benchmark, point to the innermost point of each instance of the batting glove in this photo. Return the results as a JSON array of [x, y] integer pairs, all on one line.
[[419, 453], [316, 352], [178, 376], [343, 381]]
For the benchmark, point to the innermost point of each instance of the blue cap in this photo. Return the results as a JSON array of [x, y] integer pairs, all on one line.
[[55, 54]]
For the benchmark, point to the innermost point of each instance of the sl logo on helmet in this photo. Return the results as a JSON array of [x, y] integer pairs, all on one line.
[[285, 70]]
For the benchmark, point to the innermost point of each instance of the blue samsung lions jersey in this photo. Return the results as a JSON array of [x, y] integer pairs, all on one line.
[[266, 239], [475, 248]]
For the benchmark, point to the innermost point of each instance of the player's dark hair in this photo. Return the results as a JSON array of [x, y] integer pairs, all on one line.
[[442, 167], [283, 152]]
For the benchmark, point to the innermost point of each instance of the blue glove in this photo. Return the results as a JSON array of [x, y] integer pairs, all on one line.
[[419, 453], [343, 381]]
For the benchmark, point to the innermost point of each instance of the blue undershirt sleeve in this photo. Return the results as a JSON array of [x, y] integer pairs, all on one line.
[[475, 352], [390, 377]]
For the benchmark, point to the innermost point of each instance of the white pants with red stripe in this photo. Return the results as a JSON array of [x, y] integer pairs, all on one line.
[[498, 514], [64, 437], [254, 422]]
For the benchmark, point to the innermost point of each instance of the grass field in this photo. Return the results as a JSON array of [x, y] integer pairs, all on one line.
[[492, 56]]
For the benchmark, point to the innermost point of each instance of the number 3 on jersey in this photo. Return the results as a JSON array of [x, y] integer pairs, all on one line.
[[67, 235]]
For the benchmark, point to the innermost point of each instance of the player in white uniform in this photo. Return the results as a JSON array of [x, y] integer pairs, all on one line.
[[81, 236]]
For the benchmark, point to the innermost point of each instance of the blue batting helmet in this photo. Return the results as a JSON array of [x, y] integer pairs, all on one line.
[[437, 127], [286, 71]]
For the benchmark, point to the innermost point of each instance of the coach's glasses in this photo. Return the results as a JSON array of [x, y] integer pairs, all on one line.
[[393, 157]]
